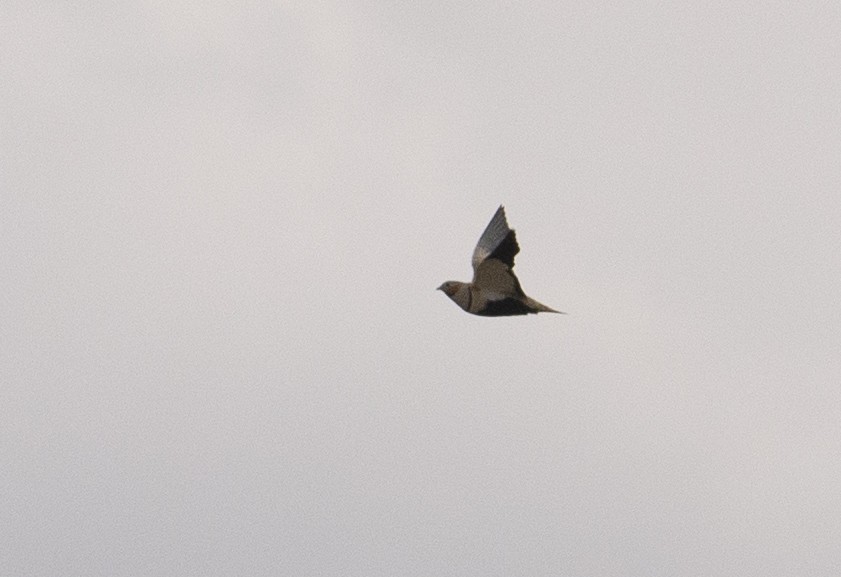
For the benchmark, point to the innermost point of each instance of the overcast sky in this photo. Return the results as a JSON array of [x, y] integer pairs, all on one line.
[[221, 228]]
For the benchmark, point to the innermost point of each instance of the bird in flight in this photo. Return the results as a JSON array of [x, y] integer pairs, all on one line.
[[495, 290]]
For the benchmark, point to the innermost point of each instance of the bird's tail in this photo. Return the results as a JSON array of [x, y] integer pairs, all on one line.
[[541, 308]]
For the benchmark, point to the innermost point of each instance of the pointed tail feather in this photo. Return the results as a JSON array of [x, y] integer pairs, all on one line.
[[541, 308]]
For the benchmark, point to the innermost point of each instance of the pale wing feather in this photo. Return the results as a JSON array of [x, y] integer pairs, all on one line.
[[494, 234], [495, 279]]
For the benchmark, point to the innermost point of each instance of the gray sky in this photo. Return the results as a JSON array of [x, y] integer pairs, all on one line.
[[223, 223]]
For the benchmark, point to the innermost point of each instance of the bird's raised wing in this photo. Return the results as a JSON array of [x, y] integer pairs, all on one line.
[[497, 242], [496, 280]]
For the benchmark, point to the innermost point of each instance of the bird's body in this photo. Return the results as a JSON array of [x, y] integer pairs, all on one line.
[[495, 290]]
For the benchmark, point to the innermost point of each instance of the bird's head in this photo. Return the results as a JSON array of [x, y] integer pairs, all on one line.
[[450, 287]]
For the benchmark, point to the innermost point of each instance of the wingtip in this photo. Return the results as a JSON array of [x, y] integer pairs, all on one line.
[[500, 212]]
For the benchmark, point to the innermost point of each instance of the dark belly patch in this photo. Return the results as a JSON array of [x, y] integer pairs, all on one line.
[[505, 308]]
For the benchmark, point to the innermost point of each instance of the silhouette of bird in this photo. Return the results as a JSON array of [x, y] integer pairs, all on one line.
[[495, 290]]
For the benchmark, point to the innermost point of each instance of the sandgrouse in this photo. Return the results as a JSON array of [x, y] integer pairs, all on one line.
[[495, 291]]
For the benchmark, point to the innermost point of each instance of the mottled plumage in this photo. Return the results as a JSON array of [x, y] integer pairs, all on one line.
[[495, 290]]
